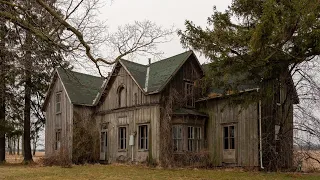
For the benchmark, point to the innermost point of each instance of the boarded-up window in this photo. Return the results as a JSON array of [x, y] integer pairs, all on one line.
[[177, 138], [189, 94], [57, 139], [229, 137], [58, 102], [122, 138], [121, 97], [143, 137], [194, 138]]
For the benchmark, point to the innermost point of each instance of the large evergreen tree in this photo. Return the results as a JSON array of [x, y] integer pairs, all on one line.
[[258, 38], [258, 42]]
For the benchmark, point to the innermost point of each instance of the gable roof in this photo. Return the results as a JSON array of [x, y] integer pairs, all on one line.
[[82, 89], [154, 77]]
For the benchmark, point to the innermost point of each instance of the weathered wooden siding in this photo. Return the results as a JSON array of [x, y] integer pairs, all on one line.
[[246, 125], [143, 110], [132, 119], [62, 121], [122, 78], [189, 72]]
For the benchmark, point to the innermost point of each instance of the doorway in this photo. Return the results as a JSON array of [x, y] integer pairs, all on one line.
[[103, 145], [229, 143]]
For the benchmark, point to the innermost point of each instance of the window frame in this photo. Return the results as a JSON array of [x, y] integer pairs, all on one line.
[[229, 142], [121, 89], [57, 142], [145, 139], [58, 94], [195, 140], [178, 139], [189, 93], [122, 141]]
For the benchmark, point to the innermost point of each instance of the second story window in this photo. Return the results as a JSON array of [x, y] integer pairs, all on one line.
[[58, 102], [121, 97], [189, 94]]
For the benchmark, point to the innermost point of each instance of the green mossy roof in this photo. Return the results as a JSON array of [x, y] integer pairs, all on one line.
[[159, 73], [81, 88]]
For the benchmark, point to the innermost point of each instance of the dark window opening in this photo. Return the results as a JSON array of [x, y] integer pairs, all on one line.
[[177, 138], [122, 138], [229, 137], [143, 137]]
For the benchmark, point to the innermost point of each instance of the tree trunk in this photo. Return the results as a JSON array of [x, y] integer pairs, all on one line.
[[2, 117], [18, 145], [9, 145], [14, 145], [34, 146], [27, 99], [2, 98]]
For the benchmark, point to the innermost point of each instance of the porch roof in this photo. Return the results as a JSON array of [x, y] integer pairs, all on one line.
[[185, 111]]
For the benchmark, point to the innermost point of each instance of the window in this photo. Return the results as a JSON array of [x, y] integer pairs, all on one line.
[[58, 102], [121, 97], [279, 94], [177, 138], [276, 132], [194, 138], [189, 94], [228, 137], [57, 139], [143, 137], [135, 99], [122, 137]]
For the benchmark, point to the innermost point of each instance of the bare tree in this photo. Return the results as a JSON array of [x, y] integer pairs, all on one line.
[[137, 38]]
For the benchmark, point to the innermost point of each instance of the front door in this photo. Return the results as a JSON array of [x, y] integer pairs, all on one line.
[[229, 144], [103, 145]]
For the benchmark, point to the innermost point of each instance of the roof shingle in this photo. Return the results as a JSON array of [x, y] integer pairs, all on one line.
[[81, 88]]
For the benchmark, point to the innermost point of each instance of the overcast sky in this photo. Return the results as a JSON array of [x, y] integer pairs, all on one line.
[[166, 13]]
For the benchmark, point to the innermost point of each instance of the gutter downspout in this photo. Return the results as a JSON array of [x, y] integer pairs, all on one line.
[[260, 134]]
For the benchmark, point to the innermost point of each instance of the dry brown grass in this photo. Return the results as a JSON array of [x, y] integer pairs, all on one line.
[[308, 164], [16, 159]]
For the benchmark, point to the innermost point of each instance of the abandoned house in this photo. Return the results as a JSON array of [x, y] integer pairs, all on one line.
[[156, 111]]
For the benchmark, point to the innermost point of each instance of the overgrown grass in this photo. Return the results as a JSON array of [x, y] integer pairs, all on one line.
[[123, 172]]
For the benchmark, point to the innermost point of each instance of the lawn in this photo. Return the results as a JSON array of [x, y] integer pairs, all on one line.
[[123, 172]]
